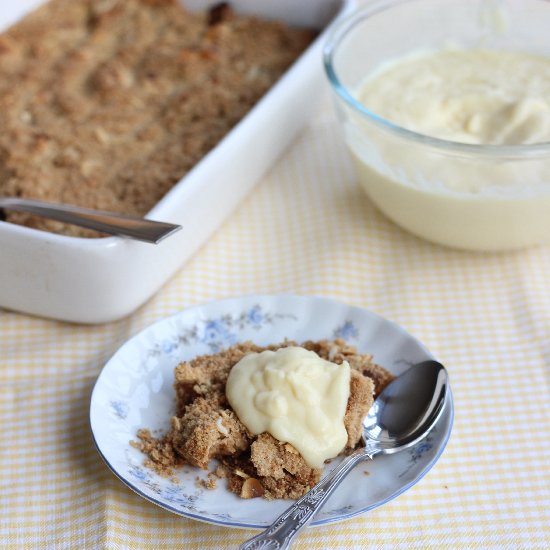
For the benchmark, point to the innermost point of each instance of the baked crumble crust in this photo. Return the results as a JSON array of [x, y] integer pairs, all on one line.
[[108, 103], [205, 427]]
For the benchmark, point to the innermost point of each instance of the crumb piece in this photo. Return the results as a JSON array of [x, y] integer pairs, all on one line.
[[281, 468], [221, 471], [209, 483], [162, 456], [360, 400], [196, 437]]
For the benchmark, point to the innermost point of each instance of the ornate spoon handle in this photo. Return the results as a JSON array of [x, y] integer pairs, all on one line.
[[293, 520]]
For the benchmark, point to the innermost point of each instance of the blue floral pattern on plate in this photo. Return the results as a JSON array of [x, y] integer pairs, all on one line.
[[347, 331], [221, 332], [120, 409], [135, 390]]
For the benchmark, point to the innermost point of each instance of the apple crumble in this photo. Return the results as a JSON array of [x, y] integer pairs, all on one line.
[[108, 103], [205, 427]]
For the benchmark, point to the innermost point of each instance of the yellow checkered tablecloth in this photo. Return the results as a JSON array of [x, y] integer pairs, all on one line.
[[307, 229]]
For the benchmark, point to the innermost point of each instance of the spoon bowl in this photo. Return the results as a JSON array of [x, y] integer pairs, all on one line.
[[401, 416], [407, 409]]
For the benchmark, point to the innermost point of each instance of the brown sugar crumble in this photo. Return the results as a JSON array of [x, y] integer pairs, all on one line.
[[206, 428], [107, 104], [210, 482]]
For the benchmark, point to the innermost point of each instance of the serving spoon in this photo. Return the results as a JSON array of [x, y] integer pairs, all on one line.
[[401, 416], [107, 222]]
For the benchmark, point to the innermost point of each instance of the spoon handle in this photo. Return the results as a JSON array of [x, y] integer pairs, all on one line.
[[108, 222], [295, 518]]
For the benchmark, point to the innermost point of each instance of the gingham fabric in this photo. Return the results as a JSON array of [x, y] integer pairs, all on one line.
[[306, 228]]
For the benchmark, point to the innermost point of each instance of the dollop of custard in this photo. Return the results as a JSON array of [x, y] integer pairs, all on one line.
[[296, 396]]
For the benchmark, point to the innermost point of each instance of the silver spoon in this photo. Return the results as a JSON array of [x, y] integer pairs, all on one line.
[[107, 222], [401, 416]]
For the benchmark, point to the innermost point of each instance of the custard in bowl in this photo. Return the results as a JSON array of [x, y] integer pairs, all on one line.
[[445, 108]]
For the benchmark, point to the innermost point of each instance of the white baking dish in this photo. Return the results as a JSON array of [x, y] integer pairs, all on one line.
[[100, 280]]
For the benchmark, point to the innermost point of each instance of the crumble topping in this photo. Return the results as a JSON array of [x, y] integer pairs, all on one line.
[[107, 104]]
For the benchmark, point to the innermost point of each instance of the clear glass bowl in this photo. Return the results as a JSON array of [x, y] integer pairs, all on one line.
[[476, 197]]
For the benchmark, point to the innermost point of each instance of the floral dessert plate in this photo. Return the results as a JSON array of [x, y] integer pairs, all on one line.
[[135, 390]]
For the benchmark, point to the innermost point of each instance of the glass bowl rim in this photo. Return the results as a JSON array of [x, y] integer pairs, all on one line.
[[340, 31]]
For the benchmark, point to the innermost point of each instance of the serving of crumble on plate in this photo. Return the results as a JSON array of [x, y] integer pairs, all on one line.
[[205, 427], [136, 390]]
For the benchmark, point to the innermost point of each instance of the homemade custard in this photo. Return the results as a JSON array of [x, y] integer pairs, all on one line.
[[466, 198], [477, 96], [325, 387], [294, 395]]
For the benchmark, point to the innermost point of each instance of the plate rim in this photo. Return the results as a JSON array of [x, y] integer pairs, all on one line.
[[449, 404]]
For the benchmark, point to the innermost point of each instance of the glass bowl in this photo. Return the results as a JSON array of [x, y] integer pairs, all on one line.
[[475, 197]]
